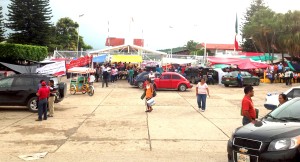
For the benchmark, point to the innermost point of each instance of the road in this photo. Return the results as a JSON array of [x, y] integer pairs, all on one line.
[[112, 126]]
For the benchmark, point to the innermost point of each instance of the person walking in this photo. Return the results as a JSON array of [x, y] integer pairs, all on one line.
[[149, 93], [201, 93], [43, 94], [248, 111], [51, 98]]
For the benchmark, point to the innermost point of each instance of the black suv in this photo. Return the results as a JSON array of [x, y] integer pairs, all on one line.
[[20, 90], [194, 74], [141, 78], [275, 137]]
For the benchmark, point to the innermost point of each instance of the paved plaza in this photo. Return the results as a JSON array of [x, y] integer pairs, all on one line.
[[112, 126]]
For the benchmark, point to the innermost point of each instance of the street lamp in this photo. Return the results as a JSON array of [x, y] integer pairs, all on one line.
[[78, 35]]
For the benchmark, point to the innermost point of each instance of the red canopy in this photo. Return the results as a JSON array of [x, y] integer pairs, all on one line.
[[241, 63]]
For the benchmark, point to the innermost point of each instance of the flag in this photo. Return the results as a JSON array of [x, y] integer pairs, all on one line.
[[236, 44]]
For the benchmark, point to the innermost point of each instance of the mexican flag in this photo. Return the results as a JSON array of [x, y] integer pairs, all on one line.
[[236, 44]]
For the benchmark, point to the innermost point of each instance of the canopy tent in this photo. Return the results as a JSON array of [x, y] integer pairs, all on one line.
[[101, 58], [127, 58], [127, 48], [290, 65], [81, 70], [241, 63], [21, 68], [265, 57], [220, 66]]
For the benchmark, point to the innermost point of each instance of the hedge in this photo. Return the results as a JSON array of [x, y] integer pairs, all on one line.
[[10, 51]]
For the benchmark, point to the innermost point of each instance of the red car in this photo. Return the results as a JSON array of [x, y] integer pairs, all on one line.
[[172, 80]]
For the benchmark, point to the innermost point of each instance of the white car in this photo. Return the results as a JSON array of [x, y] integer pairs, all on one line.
[[272, 98]]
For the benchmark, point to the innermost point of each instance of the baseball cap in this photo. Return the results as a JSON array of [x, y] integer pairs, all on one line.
[[43, 83]]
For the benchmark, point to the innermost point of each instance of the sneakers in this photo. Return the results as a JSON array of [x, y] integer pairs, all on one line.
[[202, 110]]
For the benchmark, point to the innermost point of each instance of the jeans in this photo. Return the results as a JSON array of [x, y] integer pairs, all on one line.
[[104, 81], [130, 79], [201, 100], [246, 120], [42, 109]]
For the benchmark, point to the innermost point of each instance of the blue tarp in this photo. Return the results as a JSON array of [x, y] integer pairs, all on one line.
[[101, 58]]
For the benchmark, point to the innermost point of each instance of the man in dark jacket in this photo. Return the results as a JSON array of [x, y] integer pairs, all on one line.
[[105, 77]]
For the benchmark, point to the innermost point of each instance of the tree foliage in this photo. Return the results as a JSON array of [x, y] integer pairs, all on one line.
[[2, 29], [30, 21]]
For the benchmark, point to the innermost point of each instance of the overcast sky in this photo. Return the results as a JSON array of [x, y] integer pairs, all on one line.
[[165, 24]]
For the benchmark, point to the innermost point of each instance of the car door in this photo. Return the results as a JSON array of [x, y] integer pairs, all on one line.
[[165, 81], [246, 77], [175, 81], [23, 87], [6, 94]]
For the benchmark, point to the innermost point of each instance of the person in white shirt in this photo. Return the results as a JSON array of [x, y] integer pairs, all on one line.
[[201, 93], [92, 79]]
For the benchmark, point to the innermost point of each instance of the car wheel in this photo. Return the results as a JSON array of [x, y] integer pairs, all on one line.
[[182, 87], [32, 104], [226, 85], [72, 89], [140, 85], [193, 80], [256, 83]]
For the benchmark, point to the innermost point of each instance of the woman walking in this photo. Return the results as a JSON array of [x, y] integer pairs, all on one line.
[[149, 93], [201, 93]]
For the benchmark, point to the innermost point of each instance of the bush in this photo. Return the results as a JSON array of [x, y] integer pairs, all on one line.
[[10, 51]]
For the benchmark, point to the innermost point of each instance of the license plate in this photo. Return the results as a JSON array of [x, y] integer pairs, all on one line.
[[243, 158], [227, 80]]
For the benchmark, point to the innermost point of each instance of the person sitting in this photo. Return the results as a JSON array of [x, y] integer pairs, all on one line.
[[282, 98]]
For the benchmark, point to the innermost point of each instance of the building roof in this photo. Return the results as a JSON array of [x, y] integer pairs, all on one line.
[[211, 46]]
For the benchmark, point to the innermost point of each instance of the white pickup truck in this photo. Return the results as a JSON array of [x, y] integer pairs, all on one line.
[[272, 98]]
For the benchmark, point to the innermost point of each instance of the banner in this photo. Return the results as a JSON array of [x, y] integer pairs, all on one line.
[[80, 62], [57, 68]]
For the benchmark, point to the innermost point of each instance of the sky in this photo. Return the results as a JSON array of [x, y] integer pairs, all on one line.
[[161, 23]]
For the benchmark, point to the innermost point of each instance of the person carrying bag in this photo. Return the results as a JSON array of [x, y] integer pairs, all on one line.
[[148, 93]]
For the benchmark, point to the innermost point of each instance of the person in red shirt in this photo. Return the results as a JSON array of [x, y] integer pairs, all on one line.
[[248, 111], [43, 94]]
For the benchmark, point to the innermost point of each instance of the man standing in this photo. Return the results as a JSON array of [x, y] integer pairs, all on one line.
[[105, 77], [43, 94], [130, 75], [248, 111], [240, 79], [51, 98]]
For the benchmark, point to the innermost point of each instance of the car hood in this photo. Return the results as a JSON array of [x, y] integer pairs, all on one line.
[[269, 130]]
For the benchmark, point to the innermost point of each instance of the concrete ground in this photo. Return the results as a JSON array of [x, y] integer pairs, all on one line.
[[112, 126]]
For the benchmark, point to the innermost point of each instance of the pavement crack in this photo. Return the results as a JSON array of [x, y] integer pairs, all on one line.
[[16, 122], [149, 137]]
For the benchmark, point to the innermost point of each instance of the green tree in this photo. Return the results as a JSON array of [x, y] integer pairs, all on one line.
[[256, 5], [191, 46], [2, 29], [66, 36], [30, 21]]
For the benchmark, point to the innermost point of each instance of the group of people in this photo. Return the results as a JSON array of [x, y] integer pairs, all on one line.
[[248, 111], [46, 96]]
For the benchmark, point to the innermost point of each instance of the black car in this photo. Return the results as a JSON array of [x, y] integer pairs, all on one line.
[[20, 90], [276, 137], [194, 74], [141, 78]]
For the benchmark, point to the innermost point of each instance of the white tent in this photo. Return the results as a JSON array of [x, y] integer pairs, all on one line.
[[178, 61]]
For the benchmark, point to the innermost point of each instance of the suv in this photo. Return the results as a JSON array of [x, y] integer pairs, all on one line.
[[20, 90], [141, 78], [194, 74]]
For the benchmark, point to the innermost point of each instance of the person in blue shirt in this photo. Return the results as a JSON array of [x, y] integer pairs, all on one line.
[[240, 79], [158, 69]]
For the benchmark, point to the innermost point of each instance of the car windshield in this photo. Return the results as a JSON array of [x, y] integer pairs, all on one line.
[[288, 111], [233, 73]]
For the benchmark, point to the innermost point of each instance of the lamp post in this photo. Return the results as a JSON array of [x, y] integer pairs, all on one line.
[[77, 49]]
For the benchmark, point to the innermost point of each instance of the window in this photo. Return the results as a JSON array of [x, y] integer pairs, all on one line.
[[6, 83], [296, 93], [165, 77], [23, 82], [176, 77]]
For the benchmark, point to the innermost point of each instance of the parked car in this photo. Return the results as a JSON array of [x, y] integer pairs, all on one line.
[[141, 78], [194, 74], [275, 137], [172, 80], [272, 98], [248, 79], [20, 90]]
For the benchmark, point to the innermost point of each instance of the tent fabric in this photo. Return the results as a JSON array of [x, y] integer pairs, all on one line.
[[177, 61], [291, 66], [21, 68], [81, 70], [221, 66], [100, 58], [127, 58], [241, 63], [250, 54]]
